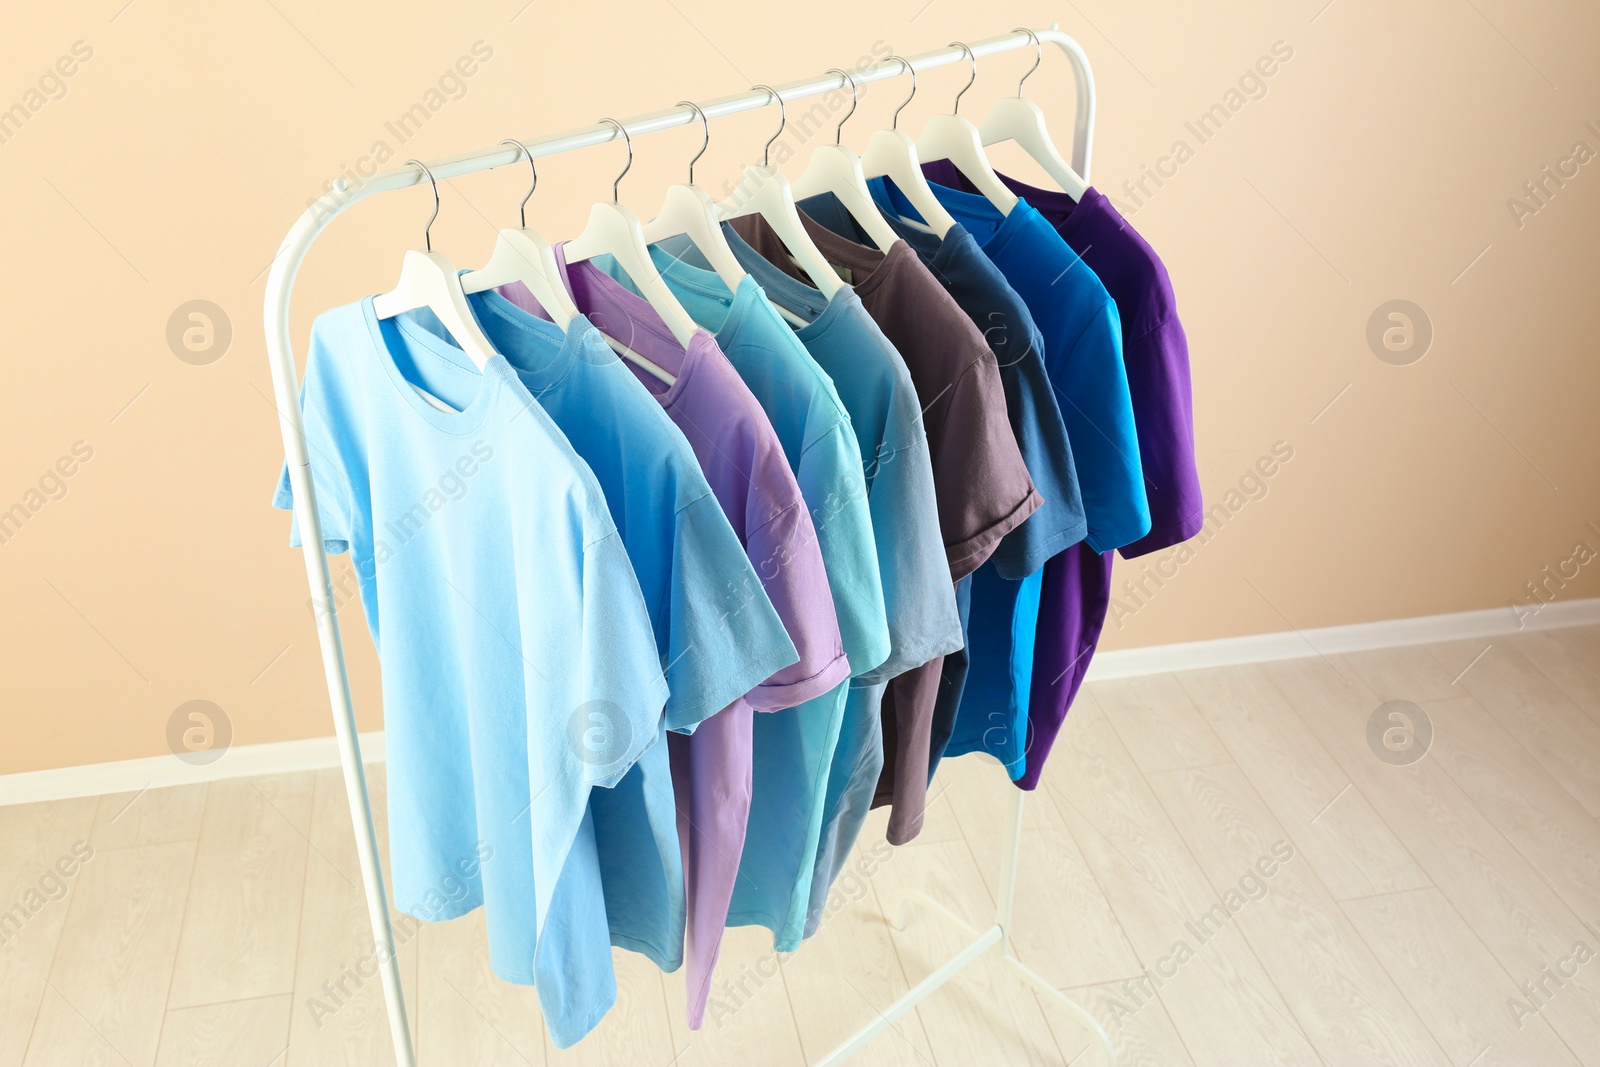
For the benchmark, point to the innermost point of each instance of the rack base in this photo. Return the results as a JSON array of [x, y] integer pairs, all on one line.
[[995, 937]]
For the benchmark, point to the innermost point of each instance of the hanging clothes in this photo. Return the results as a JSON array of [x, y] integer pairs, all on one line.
[[1083, 354], [980, 480], [793, 753], [876, 388], [1002, 596], [691, 567], [464, 522], [1156, 360], [744, 462]]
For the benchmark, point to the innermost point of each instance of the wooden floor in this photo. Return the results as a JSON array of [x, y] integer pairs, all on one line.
[[1219, 864]]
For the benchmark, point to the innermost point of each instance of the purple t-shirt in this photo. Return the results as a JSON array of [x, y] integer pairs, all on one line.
[[744, 463], [1154, 349]]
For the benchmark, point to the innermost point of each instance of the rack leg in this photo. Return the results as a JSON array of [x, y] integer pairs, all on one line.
[[996, 936], [355, 786]]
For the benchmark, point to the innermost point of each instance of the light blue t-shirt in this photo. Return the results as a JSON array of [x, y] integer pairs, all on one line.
[[518, 662], [793, 753], [694, 574], [875, 386]]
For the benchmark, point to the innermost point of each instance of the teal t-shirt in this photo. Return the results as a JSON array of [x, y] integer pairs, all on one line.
[[793, 753], [519, 666], [875, 386]]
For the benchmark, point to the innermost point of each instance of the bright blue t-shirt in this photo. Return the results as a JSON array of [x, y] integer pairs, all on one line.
[[518, 662], [875, 386], [793, 753], [1082, 338], [692, 570]]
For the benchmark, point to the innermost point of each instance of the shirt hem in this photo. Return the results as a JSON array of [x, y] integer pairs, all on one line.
[[637, 745], [685, 717], [1166, 535], [1015, 566], [878, 655], [665, 959], [781, 941], [980, 546], [780, 696], [952, 640], [1103, 542]]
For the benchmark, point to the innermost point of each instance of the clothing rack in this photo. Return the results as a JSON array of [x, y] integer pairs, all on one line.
[[280, 354]]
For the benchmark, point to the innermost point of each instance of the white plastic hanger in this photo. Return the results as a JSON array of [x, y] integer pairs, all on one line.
[[615, 231], [763, 191], [689, 211], [428, 280], [1018, 119], [954, 138], [835, 169], [892, 154], [524, 256]]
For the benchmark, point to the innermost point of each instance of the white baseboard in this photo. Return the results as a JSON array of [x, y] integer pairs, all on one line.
[[318, 753], [1358, 637], [154, 772]]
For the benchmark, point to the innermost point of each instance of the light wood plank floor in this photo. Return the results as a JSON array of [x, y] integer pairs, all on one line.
[[1227, 867]]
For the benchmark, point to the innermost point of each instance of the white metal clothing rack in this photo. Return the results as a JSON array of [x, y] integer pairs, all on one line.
[[280, 353]]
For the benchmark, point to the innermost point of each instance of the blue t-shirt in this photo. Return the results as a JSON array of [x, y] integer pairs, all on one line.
[[993, 672], [793, 753], [875, 386], [497, 590], [1082, 339], [691, 568]]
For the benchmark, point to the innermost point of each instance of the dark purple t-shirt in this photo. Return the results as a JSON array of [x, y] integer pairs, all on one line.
[[1154, 348]]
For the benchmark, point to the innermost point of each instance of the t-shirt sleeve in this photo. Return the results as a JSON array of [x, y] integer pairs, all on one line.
[[330, 484], [1166, 437], [724, 636], [788, 561], [623, 687], [919, 600], [1104, 439], [1041, 436], [981, 483], [843, 521]]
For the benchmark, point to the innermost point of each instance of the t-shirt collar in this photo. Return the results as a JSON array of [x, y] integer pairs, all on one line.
[[497, 373]]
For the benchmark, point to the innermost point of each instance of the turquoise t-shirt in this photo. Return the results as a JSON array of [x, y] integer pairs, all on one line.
[[793, 753], [692, 569], [519, 666], [875, 386]]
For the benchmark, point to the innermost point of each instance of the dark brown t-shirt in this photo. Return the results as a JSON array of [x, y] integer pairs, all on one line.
[[980, 480]]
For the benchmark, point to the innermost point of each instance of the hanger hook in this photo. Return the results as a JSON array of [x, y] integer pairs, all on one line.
[[783, 121], [629, 165], [427, 229], [838, 131], [955, 109], [522, 208], [1038, 57], [894, 123], [704, 144]]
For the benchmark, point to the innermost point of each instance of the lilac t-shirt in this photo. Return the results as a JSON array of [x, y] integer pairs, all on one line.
[[744, 463]]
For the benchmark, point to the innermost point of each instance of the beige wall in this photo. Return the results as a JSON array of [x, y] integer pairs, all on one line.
[[1374, 164]]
